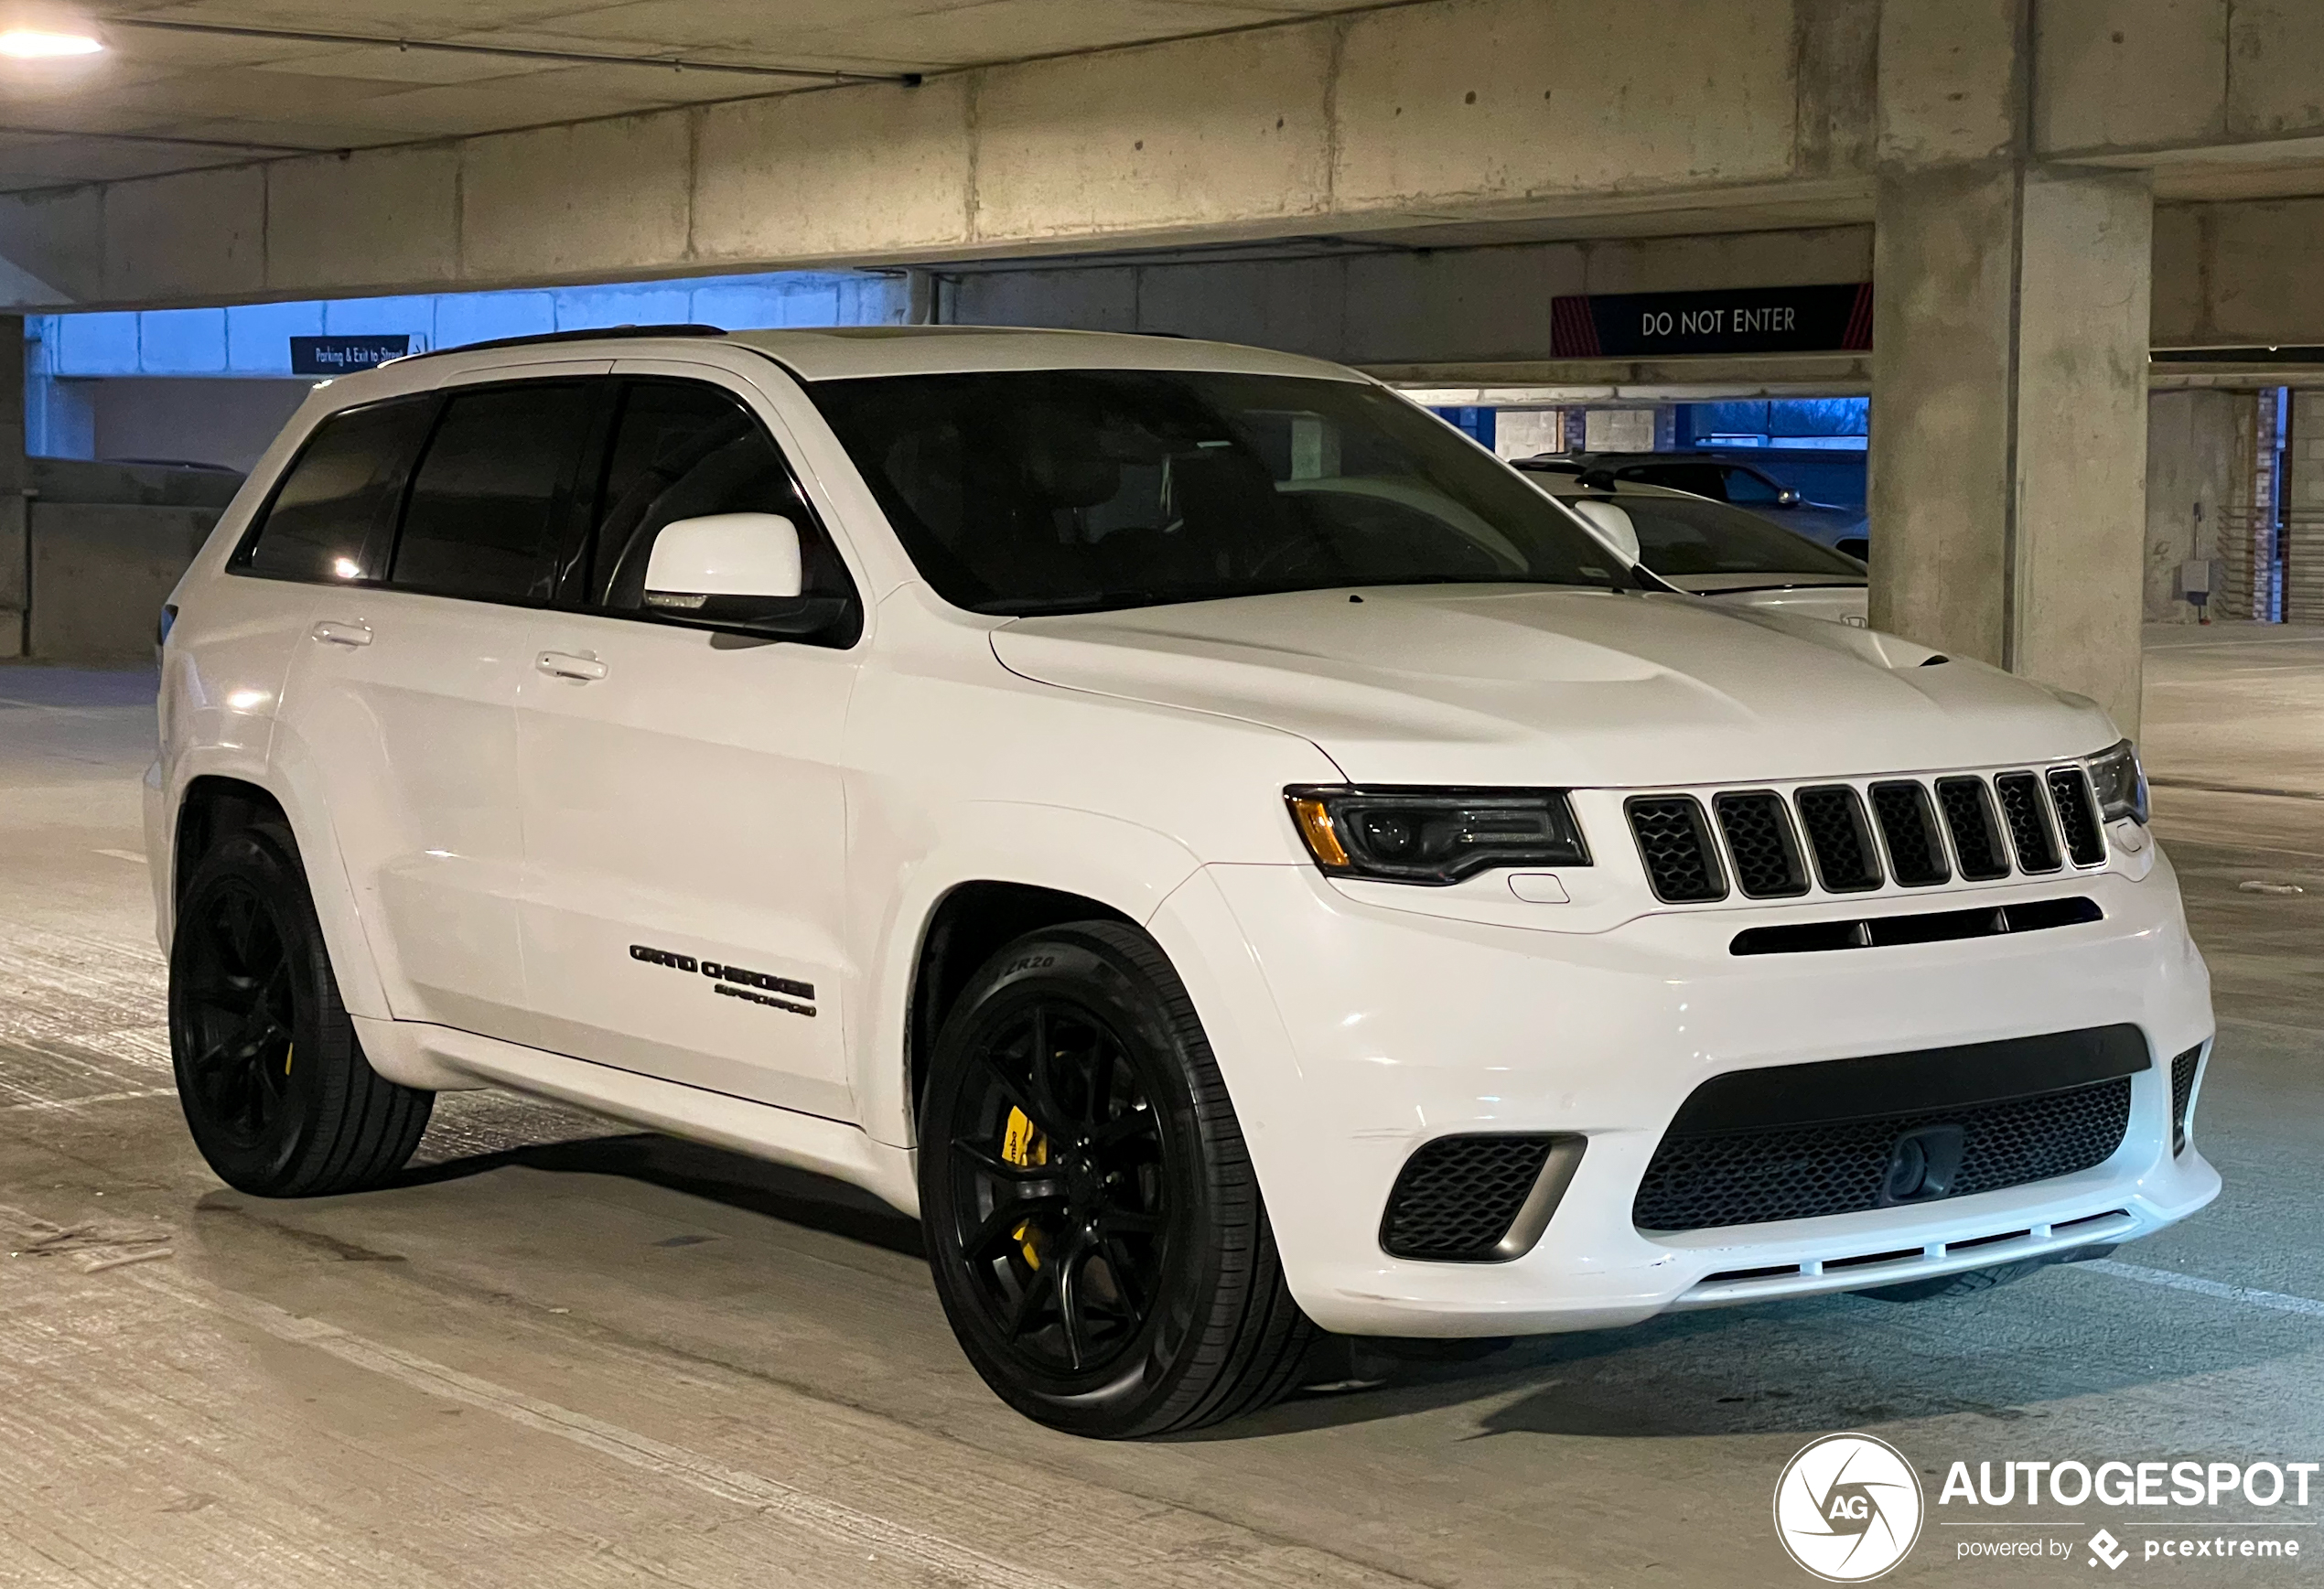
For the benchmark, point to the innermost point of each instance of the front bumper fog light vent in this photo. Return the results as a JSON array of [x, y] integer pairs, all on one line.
[[2183, 1071], [1478, 1200]]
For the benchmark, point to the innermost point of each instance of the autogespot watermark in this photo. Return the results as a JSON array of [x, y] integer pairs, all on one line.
[[1850, 1506], [2160, 1490]]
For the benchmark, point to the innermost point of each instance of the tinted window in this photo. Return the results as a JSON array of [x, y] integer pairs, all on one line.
[[1083, 491], [684, 450], [1678, 535], [1752, 486], [492, 493], [331, 499], [1703, 479]]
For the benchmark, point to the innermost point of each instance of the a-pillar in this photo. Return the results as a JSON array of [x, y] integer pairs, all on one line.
[[16, 559], [2009, 465]]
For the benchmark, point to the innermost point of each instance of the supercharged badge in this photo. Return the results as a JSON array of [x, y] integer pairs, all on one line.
[[736, 981]]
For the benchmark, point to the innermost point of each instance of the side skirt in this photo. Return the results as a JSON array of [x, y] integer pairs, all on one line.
[[442, 1059]]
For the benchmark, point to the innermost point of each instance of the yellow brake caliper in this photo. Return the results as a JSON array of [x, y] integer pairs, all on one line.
[[1022, 1144]]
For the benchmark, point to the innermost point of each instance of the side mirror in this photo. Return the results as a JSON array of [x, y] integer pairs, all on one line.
[[1613, 526], [725, 554], [1787, 498], [740, 571]]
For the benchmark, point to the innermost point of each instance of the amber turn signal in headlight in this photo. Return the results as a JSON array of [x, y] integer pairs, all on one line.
[[1434, 836]]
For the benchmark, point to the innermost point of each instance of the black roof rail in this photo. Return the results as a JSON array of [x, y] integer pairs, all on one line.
[[545, 339]]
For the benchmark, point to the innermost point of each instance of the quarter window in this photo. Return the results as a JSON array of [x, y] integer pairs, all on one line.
[[493, 493], [332, 496]]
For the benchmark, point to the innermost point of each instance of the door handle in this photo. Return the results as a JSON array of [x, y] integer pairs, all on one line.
[[566, 665], [338, 634]]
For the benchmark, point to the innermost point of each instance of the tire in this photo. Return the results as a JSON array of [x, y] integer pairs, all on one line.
[[277, 1091], [1094, 1226]]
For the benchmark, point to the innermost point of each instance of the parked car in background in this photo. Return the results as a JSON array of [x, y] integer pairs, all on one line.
[[1723, 479], [1712, 549]]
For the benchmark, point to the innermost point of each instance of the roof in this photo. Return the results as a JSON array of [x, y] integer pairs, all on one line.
[[841, 352]]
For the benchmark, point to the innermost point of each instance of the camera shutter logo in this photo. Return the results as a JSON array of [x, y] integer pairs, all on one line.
[[1848, 1507]]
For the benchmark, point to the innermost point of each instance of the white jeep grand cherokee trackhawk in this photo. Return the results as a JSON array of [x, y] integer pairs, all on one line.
[[1232, 854]]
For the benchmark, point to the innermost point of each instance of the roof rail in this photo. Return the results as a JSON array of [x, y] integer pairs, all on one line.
[[545, 338]]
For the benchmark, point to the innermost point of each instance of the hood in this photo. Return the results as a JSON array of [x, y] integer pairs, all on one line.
[[1497, 684], [1833, 601]]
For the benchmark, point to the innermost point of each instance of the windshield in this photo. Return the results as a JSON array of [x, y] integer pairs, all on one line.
[[1684, 535], [1084, 491]]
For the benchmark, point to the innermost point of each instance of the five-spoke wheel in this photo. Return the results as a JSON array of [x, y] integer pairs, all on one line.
[[1095, 1225]]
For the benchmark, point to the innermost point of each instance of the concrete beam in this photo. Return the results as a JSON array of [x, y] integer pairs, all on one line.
[[1449, 315], [1419, 116]]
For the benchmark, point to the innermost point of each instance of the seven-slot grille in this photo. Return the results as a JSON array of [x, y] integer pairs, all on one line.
[[1913, 833]]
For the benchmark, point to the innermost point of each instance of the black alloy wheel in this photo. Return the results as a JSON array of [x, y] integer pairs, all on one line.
[[275, 1088], [1063, 1154], [1094, 1227], [240, 1041]]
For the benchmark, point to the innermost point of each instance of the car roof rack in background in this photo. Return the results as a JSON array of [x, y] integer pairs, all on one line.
[[594, 335]]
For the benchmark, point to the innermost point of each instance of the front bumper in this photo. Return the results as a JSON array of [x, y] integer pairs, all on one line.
[[1351, 1033]]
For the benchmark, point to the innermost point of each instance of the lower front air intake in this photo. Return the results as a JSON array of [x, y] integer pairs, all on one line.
[[1798, 1142]]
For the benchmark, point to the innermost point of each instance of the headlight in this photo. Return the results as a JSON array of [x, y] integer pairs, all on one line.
[[2119, 782], [1435, 836]]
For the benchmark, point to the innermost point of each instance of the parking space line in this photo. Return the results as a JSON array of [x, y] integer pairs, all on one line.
[[69, 1104], [950, 1561], [2282, 1302]]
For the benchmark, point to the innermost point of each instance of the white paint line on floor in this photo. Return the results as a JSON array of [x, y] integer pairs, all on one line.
[[952, 1562], [123, 855], [2282, 1302], [66, 1105]]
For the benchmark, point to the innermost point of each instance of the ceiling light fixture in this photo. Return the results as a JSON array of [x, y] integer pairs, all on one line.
[[36, 44]]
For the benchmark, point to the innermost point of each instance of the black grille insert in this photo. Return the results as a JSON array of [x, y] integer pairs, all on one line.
[[1457, 1197], [2070, 792], [2182, 1093], [1758, 837], [1908, 824], [1977, 834], [1675, 844], [1917, 927], [1842, 841], [1796, 1141], [2020, 795]]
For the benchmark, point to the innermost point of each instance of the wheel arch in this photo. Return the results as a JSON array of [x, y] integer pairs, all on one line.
[[214, 805], [972, 923], [1002, 869]]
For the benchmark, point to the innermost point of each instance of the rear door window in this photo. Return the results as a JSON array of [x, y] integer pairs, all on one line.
[[492, 501], [336, 492]]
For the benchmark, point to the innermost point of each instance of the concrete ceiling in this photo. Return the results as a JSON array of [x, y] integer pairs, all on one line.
[[161, 100]]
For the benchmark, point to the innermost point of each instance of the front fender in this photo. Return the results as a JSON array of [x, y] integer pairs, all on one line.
[[1119, 864]]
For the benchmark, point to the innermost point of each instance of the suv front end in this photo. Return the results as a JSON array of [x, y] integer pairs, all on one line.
[[1871, 1033]]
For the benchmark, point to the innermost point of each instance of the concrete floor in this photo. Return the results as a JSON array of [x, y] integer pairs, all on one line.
[[563, 1353]]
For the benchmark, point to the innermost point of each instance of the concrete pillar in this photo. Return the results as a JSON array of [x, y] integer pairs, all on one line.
[[15, 552], [2009, 368], [2194, 443]]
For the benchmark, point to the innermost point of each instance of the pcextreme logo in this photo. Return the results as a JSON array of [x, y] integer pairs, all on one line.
[[1848, 1507]]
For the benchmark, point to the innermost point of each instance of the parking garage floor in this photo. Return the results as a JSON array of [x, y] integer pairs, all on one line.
[[561, 1352]]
